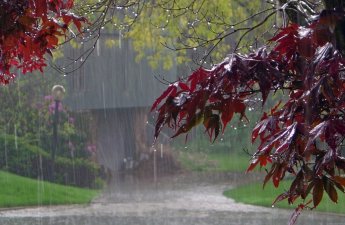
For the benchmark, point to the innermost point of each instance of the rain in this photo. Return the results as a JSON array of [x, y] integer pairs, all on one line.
[[78, 145]]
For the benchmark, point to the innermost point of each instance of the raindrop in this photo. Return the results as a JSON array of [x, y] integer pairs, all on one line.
[[15, 137], [6, 160], [194, 49]]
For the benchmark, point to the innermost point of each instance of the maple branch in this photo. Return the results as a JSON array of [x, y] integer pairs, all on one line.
[[98, 24]]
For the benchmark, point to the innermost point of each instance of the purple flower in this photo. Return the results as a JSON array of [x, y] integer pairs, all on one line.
[[71, 120], [52, 107], [48, 97], [91, 148]]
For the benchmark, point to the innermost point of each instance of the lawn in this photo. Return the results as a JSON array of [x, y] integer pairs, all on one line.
[[254, 194], [230, 162], [21, 191], [214, 161]]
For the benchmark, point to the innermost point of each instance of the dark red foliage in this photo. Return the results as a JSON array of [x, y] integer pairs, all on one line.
[[302, 135], [28, 30]]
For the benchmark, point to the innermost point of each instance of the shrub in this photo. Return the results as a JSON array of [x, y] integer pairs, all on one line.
[[18, 156]]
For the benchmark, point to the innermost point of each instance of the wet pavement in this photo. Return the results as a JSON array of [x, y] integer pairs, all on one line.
[[181, 200]]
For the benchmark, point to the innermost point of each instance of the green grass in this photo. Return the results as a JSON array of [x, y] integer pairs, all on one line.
[[254, 194], [20, 191], [194, 161], [230, 162], [214, 161]]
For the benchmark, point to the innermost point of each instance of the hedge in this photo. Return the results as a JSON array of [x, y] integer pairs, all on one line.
[[18, 156]]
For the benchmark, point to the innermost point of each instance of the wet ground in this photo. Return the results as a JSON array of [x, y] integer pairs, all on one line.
[[181, 200]]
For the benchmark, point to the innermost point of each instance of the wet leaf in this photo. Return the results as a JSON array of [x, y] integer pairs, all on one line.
[[330, 190], [170, 90], [197, 77], [316, 132], [340, 180], [252, 165], [317, 192], [198, 118], [297, 212], [281, 197], [339, 186], [212, 124], [183, 86], [227, 116]]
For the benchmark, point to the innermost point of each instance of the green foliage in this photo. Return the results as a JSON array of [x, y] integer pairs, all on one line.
[[20, 157], [27, 111], [152, 26], [21, 191]]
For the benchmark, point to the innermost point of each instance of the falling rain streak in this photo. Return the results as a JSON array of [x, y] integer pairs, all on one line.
[[91, 156]]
